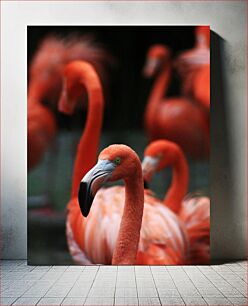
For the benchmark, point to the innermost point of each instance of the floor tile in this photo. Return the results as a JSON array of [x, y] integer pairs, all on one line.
[[75, 269], [42, 269], [147, 292], [4, 301], [210, 292], [189, 293], [165, 284], [23, 268], [230, 292], [91, 269], [33, 276], [166, 301], [26, 301], [13, 262], [50, 301], [13, 292], [15, 275], [194, 301], [58, 291], [239, 301], [79, 291], [165, 292], [39, 289], [145, 282], [99, 301], [86, 280], [73, 301], [51, 276], [131, 285], [126, 292], [126, 269], [100, 284], [58, 268], [217, 301], [102, 292], [108, 269], [126, 283], [149, 301], [126, 301]]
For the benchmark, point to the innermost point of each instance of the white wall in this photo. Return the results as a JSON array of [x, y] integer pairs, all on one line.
[[229, 141]]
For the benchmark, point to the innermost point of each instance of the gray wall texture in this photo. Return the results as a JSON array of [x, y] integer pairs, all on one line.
[[228, 23]]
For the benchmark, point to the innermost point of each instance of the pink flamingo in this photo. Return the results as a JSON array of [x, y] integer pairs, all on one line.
[[46, 76], [141, 230], [174, 118], [194, 68], [193, 210]]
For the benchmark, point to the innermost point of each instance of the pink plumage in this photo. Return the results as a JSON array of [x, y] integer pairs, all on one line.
[[195, 213], [163, 238]]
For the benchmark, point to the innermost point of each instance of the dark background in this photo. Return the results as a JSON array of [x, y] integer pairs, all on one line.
[[128, 90]]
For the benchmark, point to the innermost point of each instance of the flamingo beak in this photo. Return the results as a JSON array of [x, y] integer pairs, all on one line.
[[92, 182], [66, 104], [149, 166], [151, 67]]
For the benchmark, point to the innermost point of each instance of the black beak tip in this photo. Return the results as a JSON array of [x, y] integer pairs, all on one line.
[[85, 198]]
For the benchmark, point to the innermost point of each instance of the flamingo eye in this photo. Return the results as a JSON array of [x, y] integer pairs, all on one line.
[[117, 161]]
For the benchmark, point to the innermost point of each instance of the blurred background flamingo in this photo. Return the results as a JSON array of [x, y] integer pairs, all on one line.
[[193, 209], [45, 84], [174, 118], [77, 76], [194, 68]]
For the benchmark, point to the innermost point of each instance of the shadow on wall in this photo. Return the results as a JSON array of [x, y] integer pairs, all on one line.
[[221, 175]]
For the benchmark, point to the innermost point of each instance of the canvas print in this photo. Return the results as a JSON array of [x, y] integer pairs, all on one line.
[[118, 145]]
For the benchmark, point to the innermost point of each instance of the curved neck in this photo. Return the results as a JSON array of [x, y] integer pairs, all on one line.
[[179, 185], [158, 92], [88, 145], [129, 234]]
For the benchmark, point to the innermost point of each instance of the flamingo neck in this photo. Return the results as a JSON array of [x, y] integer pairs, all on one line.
[[129, 234], [158, 92], [179, 184], [88, 145], [35, 93]]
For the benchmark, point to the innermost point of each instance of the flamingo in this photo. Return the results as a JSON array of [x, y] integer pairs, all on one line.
[[47, 66], [46, 75], [174, 118], [163, 238], [140, 230], [194, 68], [193, 210], [42, 129]]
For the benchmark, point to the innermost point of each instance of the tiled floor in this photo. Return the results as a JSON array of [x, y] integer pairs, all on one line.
[[106, 285]]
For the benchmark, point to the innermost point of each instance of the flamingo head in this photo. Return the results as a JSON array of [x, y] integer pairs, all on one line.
[[116, 162], [72, 87], [158, 155], [157, 56]]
